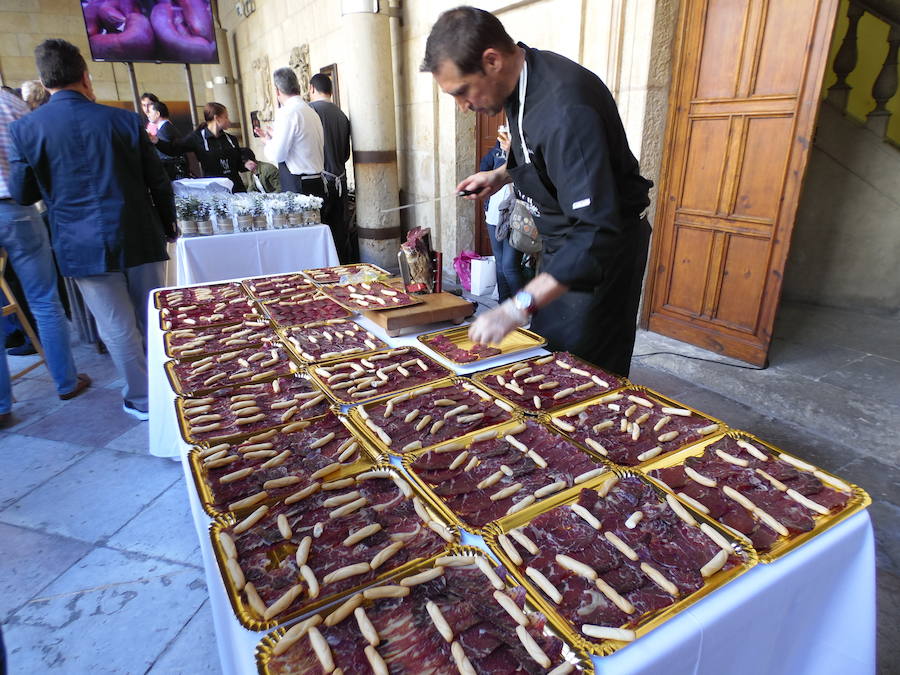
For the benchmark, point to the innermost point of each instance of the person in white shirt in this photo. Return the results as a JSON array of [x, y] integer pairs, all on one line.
[[296, 143]]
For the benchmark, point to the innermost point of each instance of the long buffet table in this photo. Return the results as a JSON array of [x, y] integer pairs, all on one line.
[[812, 611]]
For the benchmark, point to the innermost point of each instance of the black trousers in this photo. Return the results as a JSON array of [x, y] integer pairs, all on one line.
[[302, 185], [599, 324], [334, 215]]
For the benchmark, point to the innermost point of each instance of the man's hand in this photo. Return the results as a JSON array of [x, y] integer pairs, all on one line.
[[153, 138], [172, 233], [250, 165], [484, 183], [493, 326], [266, 132]]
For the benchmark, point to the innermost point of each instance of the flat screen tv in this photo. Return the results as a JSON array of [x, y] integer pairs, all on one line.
[[158, 31]]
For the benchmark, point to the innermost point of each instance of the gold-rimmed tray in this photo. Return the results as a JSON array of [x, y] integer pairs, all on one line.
[[594, 383], [217, 339], [857, 498], [366, 417], [333, 274], [374, 296], [316, 307], [277, 286], [503, 547], [409, 358], [345, 454], [214, 292], [284, 639], [571, 472], [635, 398], [518, 340], [303, 349], [227, 550]]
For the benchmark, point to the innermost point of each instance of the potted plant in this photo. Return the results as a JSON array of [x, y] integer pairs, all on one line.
[[295, 209], [258, 209], [221, 208], [311, 215], [186, 213], [243, 209], [279, 206], [204, 209]]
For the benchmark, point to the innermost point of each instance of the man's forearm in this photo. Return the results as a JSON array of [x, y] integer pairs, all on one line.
[[545, 289]]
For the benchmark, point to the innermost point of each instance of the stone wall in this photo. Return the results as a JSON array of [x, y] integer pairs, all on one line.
[[26, 23]]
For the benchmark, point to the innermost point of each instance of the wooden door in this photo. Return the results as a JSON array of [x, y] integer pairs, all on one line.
[[745, 93], [485, 139]]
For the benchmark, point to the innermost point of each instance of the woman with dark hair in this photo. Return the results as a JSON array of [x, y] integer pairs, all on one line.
[[218, 152]]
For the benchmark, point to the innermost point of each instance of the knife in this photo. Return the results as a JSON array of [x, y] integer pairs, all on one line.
[[461, 193]]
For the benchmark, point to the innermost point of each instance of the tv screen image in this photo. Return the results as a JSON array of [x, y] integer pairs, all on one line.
[[165, 31]]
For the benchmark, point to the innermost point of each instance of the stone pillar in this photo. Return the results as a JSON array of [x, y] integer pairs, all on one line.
[[370, 71], [223, 89]]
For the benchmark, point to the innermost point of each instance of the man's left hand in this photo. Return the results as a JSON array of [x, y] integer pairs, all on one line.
[[493, 326]]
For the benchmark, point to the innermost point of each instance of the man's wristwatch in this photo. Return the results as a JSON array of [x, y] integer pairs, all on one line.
[[524, 301]]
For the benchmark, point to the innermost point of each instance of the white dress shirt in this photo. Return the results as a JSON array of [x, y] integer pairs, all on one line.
[[297, 138]]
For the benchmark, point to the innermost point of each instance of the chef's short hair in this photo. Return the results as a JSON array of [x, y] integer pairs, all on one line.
[[322, 84], [159, 107], [461, 35], [286, 81], [59, 63]]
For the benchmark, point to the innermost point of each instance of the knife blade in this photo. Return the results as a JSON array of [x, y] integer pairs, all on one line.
[[461, 193]]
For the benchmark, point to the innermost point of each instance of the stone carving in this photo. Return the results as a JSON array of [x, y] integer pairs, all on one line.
[[264, 89], [299, 61]]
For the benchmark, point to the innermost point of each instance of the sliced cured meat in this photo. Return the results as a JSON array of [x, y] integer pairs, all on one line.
[[409, 641], [369, 296], [445, 346], [347, 526], [209, 313], [241, 366], [192, 342], [630, 432], [505, 463], [658, 538], [427, 416], [293, 312], [276, 456], [176, 298], [279, 285], [333, 275], [234, 411], [356, 379], [332, 339]]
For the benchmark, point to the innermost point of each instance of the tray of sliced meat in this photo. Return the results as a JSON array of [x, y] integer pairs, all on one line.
[[333, 275], [618, 558], [329, 340], [323, 542], [773, 498], [633, 426], [278, 286], [209, 313], [240, 476], [547, 383], [458, 612], [423, 417], [489, 475], [241, 366], [174, 298], [454, 344], [357, 379], [294, 312], [193, 342], [369, 296], [235, 412]]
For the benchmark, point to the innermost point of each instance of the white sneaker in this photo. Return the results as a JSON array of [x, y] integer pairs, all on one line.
[[134, 412]]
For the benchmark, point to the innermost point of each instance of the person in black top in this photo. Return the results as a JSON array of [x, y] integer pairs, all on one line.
[[507, 259], [218, 152], [337, 151], [571, 167], [158, 114]]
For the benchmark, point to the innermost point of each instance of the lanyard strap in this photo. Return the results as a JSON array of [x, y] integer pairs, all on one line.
[[523, 84]]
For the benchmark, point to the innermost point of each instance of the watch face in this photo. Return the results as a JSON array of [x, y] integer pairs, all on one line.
[[524, 300]]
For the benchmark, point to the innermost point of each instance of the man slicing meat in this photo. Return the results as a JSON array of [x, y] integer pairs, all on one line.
[[571, 166]]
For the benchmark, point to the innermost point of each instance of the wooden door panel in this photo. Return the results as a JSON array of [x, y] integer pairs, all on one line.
[[745, 92], [782, 63], [765, 156], [719, 55], [707, 148], [745, 266]]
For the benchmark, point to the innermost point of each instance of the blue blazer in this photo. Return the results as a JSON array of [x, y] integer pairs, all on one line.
[[109, 200]]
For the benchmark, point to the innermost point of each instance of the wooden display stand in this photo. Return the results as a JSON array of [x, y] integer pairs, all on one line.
[[435, 308]]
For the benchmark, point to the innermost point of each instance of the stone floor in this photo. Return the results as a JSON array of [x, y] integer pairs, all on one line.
[[100, 568]]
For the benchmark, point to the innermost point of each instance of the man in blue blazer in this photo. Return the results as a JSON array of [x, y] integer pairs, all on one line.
[[110, 204]]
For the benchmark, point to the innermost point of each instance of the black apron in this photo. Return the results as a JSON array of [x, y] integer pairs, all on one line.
[[596, 322]]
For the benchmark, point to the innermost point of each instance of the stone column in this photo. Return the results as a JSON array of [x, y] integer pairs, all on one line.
[[223, 89], [370, 71]]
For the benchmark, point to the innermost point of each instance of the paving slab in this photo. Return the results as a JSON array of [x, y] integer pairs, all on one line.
[[164, 529], [870, 377], [888, 645], [26, 462], [193, 651], [885, 518], [30, 561], [95, 496], [136, 440], [816, 325], [94, 418], [33, 399], [111, 612], [815, 363], [656, 379]]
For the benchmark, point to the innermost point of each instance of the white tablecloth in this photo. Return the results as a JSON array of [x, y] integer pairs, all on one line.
[[249, 254], [813, 611]]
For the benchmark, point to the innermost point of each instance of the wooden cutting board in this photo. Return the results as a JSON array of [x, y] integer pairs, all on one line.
[[435, 308]]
